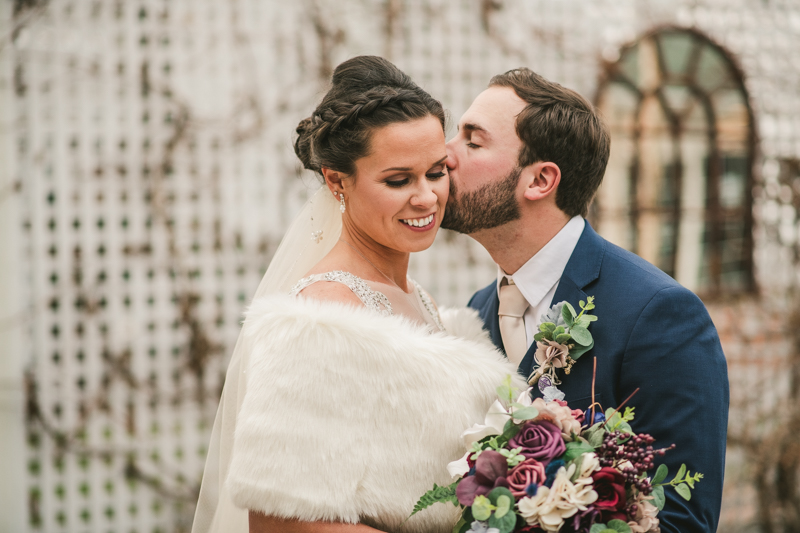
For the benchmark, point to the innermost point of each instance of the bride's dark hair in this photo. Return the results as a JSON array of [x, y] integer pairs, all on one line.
[[367, 92]]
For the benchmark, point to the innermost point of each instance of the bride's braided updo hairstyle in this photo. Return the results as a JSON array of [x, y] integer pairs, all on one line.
[[367, 93]]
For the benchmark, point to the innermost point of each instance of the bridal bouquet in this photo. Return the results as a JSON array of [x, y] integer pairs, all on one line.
[[541, 466], [537, 465]]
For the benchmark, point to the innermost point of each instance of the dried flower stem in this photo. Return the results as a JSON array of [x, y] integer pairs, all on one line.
[[620, 406], [594, 379]]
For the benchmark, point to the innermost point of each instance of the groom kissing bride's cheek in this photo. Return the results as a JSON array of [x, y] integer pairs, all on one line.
[[524, 166], [349, 391]]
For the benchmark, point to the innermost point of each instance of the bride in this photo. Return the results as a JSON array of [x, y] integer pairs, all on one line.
[[348, 389]]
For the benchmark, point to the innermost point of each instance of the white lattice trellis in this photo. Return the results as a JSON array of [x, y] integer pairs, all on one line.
[[147, 174]]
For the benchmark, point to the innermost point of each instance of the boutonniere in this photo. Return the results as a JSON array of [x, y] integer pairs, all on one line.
[[562, 339]]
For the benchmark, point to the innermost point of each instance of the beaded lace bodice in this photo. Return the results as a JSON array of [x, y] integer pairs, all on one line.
[[372, 299]]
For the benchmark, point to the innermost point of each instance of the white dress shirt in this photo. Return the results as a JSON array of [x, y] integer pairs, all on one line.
[[538, 278]]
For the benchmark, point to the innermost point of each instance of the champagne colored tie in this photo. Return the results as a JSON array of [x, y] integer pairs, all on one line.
[[512, 326]]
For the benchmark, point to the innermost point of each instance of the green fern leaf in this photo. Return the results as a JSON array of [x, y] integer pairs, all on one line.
[[435, 495]]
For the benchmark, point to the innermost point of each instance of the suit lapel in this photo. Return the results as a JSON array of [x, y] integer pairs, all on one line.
[[490, 312], [582, 268]]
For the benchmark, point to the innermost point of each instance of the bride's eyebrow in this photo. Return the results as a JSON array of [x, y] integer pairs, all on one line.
[[407, 169]]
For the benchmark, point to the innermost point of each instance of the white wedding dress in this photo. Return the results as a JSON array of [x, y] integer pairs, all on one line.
[[333, 412]]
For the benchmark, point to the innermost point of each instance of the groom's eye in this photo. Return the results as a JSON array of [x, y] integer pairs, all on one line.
[[472, 145]]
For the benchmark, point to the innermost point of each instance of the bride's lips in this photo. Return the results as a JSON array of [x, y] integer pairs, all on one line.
[[428, 224]]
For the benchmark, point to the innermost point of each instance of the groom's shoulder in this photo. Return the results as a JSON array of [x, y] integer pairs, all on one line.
[[626, 264], [481, 297], [626, 270]]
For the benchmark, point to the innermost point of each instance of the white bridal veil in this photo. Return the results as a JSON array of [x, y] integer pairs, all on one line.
[[300, 249]]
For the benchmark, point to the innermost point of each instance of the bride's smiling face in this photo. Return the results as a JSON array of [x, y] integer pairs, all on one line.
[[399, 191]]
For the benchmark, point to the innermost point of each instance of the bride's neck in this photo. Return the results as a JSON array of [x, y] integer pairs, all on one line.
[[386, 265]]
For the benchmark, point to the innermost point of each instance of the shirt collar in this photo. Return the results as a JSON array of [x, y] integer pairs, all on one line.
[[542, 271]]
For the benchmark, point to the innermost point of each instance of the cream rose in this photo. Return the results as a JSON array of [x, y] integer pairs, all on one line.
[[560, 415]]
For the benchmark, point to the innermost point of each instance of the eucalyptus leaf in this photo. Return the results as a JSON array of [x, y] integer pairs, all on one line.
[[684, 491], [612, 419], [546, 327], [526, 413], [598, 528], [581, 335], [660, 475], [579, 350], [595, 435], [568, 314], [482, 508], [625, 428], [658, 497], [619, 526], [510, 430], [504, 504], [503, 392], [575, 449], [681, 472], [505, 523], [564, 338], [467, 517], [496, 492]]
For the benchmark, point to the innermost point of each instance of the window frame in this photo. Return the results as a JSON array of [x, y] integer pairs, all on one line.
[[715, 214]]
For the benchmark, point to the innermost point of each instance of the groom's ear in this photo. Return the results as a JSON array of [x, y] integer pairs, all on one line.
[[541, 180]]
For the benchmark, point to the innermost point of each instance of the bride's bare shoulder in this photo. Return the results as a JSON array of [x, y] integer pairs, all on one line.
[[335, 279], [330, 291]]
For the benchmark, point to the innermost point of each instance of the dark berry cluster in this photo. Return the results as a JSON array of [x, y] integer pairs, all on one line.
[[636, 450]]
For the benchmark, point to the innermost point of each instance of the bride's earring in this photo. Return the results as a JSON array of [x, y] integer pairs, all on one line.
[[342, 207], [316, 235]]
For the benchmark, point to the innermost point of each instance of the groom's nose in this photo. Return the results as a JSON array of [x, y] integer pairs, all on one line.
[[451, 158]]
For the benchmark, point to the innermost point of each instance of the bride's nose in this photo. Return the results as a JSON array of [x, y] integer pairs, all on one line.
[[424, 196]]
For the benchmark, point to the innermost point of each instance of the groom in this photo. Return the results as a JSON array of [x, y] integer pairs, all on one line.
[[526, 162]]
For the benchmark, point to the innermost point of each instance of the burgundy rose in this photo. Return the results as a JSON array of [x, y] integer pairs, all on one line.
[[609, 484], [526, 473], [540, 440], [490, 472]]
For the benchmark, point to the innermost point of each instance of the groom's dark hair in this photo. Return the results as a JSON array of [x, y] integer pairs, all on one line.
[[560, 126]]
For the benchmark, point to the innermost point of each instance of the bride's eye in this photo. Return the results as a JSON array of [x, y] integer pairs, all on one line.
[[436, 172], [397, 183]]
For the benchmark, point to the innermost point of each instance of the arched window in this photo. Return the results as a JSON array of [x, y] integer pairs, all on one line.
[[677, 190]]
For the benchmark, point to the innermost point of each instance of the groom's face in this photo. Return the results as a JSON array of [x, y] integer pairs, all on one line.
[[483, 162]]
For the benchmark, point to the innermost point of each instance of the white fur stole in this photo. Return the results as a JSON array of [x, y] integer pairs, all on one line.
[[350, 416]]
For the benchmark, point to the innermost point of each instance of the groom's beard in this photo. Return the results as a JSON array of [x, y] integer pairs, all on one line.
[[491, 206]]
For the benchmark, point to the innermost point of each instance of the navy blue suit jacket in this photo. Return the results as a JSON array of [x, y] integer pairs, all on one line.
[[656, 335]]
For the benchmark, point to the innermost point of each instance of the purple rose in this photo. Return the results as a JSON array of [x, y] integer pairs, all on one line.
[[490, 472], [540, 440]]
